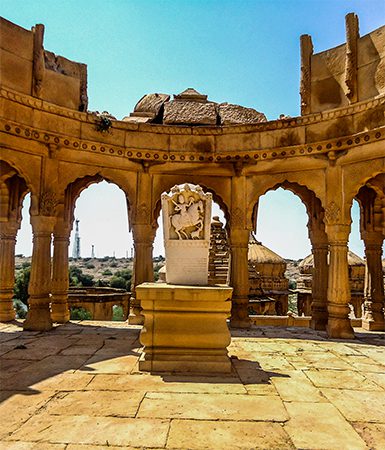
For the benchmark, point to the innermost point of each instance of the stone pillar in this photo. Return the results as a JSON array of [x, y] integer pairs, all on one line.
[[239, 278], [143, 235], [373, 319], [60, 283], [239, 246], [338, 283], [8, 231], [143, 267], [319, 311], [39, 317]]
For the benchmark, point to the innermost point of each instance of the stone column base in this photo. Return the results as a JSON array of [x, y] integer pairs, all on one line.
[[134, 319], [339, 328], [185, 328], [185, 360], [38, 319], [7, 313], [60, 313], [372, 325]]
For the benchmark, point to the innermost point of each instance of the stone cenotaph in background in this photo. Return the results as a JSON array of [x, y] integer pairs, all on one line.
[[185, 327], [186, 224]]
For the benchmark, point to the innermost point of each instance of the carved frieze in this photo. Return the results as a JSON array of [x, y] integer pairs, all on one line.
[[142, 215], [237, 217], [332, 213], [48, 203]]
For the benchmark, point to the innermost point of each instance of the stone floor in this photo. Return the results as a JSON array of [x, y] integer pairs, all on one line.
[[78, 387]]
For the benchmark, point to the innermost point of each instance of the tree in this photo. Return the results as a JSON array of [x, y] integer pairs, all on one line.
[[21, 283], [78, 278]]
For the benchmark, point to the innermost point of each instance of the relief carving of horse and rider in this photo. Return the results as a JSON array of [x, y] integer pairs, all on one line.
[[188, 214]]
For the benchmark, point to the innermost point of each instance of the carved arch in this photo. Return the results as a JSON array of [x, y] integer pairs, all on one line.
[[75, 188], [13, 189], [313, 205]]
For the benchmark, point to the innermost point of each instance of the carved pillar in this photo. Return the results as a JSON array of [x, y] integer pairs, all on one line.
[[352, 35], [239, 246], [39, 317], [374, 286], [143, 267], [305, 84], [239, 278], [143, 233], [8, 231], [59, 302], [319, 311], [338, 283]]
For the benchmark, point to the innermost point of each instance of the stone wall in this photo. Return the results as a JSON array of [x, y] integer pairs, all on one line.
[[27, 68]]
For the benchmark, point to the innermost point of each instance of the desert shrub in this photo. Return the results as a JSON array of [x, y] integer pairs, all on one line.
[[78, 278], [117, 313], [80, 314], [107, 273], [118, 282]]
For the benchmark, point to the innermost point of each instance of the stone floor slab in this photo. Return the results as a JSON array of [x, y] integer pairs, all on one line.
[[17, 407], [194, 434], [320, 426], [348, 379], [297, 387], [110, 364], [372, 433], [212, 406], [357, 406], [89, 430], [169, 383], [96, 403]]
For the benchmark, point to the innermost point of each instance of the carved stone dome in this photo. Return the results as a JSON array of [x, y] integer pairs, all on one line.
[[307, 264], [260, 254]]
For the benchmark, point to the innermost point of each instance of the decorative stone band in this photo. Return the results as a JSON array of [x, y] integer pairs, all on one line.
[[331, 147], [36, 103]]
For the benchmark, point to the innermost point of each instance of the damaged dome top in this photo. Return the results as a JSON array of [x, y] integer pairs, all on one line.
[[191, 108]]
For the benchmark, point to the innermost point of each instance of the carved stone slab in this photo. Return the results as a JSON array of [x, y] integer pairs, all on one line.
[[186, 226]]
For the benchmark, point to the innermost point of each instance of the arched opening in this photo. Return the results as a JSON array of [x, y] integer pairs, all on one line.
[[100, 250], [369, 206], [14, 276], [277, 285], [23, 256]]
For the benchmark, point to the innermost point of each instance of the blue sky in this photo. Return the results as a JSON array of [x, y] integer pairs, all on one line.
[[244, 52]]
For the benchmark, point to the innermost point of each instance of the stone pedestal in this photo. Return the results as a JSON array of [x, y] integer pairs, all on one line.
[[185, 328]]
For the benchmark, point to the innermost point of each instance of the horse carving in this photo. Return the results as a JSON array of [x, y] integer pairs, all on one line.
[[190, 215]]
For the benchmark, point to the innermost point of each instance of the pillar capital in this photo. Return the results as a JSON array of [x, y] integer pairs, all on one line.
[[43, 224], [8, 230], [338, 234], [372, 238]]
